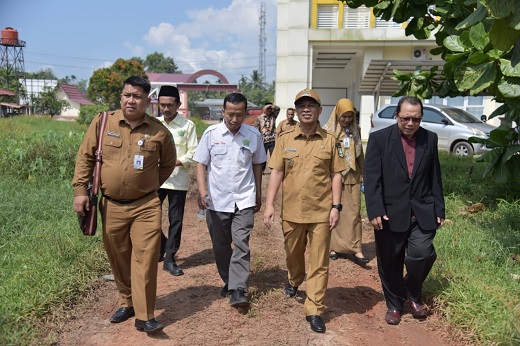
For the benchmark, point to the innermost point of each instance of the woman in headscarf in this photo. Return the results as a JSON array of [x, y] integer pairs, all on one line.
[[346, 237]]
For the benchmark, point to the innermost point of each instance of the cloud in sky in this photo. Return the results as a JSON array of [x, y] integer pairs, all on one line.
[[225, 39], [203, 34]]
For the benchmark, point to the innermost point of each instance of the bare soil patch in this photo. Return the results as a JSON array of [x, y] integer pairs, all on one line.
[[194, 313]]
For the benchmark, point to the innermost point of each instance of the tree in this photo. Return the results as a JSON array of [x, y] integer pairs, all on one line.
[[255, 89], [105, 83], [44, 73], [48, 102], [158, 63], [479, 40]]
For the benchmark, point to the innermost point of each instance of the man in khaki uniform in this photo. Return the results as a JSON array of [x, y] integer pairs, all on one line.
[[138, 156], [286, 124], [306, 161]]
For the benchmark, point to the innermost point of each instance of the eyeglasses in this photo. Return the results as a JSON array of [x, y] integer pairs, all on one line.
[[406, 120]]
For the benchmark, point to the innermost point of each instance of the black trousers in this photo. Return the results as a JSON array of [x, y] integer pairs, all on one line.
[[269, 147], [413, 249], [176, 203]]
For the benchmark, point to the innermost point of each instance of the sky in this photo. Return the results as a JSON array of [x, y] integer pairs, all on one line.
[[77, 37]]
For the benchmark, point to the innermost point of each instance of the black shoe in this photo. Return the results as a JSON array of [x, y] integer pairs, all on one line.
[[172, 268], [362, 261], [224, 292], [148, 326], [317, 324], [333, 255], [122, 314], [238, 298], [290, 291]]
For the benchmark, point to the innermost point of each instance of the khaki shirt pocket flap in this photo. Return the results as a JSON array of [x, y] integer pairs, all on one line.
[[113, 142], [149, 146]]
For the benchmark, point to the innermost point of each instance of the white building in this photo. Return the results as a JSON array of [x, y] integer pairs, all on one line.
[[343, 52]]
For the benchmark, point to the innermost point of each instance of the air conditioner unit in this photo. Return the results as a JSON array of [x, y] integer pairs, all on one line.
[[419, 54]]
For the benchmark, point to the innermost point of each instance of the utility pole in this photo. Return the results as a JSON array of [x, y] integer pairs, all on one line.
[[261, 43]]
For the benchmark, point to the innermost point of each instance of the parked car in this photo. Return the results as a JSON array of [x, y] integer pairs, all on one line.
[[452, 125]]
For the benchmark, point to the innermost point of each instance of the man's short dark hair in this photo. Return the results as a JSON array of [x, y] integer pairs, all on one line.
[[290, 109], [235, 98], [138, 81], [411, 100]]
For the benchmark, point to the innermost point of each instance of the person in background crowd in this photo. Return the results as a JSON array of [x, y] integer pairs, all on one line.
[[230, 155], [286, 124], [176, 186], [307, 162], [405, 205], [347, 237], [266, 124], [138, 156]]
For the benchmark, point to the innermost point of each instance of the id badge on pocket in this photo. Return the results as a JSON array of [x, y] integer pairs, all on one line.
[[346, 142], [138, 162]]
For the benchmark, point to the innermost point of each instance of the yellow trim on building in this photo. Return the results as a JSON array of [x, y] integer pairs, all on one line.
[[341, 12]]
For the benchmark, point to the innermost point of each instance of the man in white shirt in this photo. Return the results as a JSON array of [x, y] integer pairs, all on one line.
[[176, 187], [230, 155]]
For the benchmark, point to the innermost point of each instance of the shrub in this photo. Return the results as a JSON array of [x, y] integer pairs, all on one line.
[[87, 113]]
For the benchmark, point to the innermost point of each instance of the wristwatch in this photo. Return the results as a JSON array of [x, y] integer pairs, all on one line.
[[338, 206]]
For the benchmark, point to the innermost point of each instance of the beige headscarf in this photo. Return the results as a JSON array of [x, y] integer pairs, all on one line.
[[356, 149]]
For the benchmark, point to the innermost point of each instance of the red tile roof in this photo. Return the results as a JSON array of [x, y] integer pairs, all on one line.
[[7, 92], [74, 94]]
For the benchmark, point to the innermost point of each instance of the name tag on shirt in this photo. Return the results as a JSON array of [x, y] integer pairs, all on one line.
[[138, 162], [346, 142], [113, 134]]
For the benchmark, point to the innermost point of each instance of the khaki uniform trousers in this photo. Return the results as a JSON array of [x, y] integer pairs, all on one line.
[[295, 235], [132, 238], [347, 236]]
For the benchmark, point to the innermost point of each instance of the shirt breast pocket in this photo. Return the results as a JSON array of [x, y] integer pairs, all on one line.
[[218, 156], [150, 152], [290, 160], [245, 155], [321, 164], [180, 141], [112, 148]]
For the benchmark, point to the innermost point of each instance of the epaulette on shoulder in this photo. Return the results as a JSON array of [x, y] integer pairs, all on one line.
[[330, 133], [286, 132], [155, 119]]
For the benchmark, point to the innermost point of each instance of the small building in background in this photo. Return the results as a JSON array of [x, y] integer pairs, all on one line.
[[74, 97]]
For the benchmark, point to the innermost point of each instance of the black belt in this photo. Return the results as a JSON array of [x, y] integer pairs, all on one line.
[[126, 201]]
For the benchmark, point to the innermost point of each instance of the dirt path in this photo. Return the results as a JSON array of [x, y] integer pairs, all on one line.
[[193, 312]]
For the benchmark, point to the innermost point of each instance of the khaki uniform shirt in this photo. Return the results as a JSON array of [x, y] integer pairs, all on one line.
[[120, 179], [307, 164], [285, 125]]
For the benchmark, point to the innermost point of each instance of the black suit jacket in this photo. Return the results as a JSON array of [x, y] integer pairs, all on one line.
[[388, 189]]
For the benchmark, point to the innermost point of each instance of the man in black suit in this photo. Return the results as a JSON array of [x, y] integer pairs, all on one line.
[[405, 205]]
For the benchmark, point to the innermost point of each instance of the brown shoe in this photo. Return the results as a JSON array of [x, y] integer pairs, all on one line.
[[419, 311], [393, 317]]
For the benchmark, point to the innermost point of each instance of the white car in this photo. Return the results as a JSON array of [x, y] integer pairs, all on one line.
[[452, 125]]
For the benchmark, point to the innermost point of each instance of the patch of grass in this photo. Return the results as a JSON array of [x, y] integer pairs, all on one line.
[[473, 279], [200, 125], [45, 261]]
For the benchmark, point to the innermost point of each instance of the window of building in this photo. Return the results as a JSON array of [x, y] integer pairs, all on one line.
[[356, 17], [471, 104], [381, 23], [327, 16]]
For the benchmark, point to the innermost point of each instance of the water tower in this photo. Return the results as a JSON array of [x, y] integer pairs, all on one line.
[[12, 69]]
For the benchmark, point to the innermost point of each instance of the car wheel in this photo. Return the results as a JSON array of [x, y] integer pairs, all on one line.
[[462, 149]]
